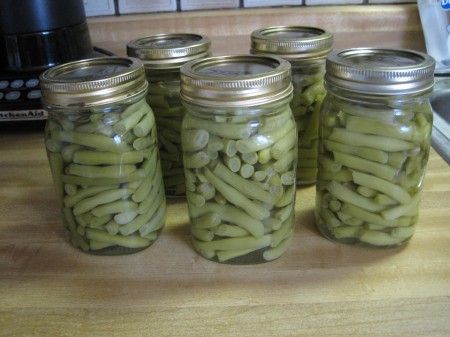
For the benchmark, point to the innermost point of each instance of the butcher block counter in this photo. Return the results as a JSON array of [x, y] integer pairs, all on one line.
[[317, 288]]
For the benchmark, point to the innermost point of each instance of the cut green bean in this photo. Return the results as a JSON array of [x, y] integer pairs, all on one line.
[[237, 198], [384, 186], [86, 157], [102, 197], [119, 240], [244, 242], [372, 141], [382, 171], [231, 214]]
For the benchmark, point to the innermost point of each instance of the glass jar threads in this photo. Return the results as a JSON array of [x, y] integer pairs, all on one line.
[[374, 141], [306, 48], [101, 144], [163, 55], [239, 143]]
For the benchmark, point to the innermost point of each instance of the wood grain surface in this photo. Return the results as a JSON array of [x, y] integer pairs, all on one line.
[[318, 288]]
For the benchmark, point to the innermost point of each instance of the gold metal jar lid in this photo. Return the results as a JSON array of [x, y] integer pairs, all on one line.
[[167, 51], [236, 81], [379, 71], [292, 42], [93, 82]]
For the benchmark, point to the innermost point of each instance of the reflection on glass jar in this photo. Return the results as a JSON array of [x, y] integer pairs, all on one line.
[[101, 144]]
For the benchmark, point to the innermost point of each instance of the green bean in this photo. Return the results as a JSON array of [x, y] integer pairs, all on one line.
[[83, 181], [289, 160], [202, 234], [364, 152], [229, 147], [250, 158], [343, 193], [145, 125], [275, 252], [405, 131], [372, 141], [231, 214], [195, 198], [118, 206], [239, 243], [382, 171], [384, 186], [130, 121], [342, 232], [261, 141], [157, 221], [155, 195], [245, 186], [375, 218], [119, 240], [206, 190], [110, 171], [377, 238], [102, 197], [100, 221], [125, 217], [130, 110], [194, 140], [284, 231], [230, 131], [141, 219], [403, 232], [225, 255], [195, 159], [401, 210], [86, 157], [143, 143], [207, 220], [233, 163], [99, 142], [77, 240], [284, 144], [236, 197], [57, 166], [112, 227], [230, 231]]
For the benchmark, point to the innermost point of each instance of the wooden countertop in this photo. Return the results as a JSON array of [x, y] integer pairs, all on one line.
[[318, 288]]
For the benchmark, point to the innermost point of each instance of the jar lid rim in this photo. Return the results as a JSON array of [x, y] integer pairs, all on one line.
[[380, 70]]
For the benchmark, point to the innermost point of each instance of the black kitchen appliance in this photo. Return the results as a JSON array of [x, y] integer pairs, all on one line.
[[34, 36]]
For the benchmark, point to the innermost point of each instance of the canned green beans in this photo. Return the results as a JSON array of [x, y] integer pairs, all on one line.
[[239, 143], [306, 49], [163, 55], [102, 148], [374, 143]]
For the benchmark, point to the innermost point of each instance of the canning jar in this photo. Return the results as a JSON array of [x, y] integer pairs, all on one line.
[[374, 142], [101, 144], [306, 48], [163, 55], [239, 143]]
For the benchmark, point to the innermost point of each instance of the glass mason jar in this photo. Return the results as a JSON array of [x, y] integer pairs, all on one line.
[[163, 55], [239, 143], [306, 48], [102, 149], [374, 142]]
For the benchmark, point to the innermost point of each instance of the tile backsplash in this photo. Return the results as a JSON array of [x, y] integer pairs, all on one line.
[[118, 7]]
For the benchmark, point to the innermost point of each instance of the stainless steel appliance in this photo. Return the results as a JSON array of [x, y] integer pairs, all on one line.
[[34, 36]]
